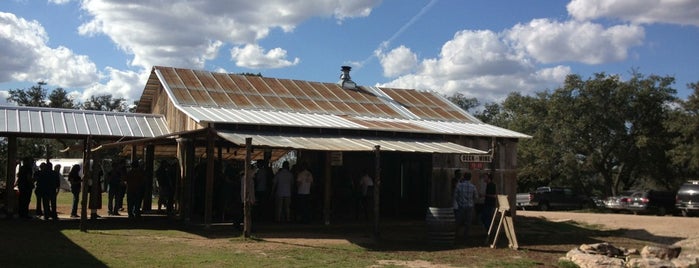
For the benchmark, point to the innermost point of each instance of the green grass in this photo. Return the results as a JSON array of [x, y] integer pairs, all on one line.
[[155, 241]]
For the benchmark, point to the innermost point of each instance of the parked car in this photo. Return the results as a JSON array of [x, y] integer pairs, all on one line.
[[652, 202], [618, 202], [546, 198], [687, 198]]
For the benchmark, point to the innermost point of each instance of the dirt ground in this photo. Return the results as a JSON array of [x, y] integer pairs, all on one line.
[[638, 226]]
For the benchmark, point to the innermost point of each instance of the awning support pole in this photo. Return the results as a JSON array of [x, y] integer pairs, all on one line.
[[377, 190], [149, 159], [247, 206], [10, 197], [87, 170], [208, 202], [328, 188]]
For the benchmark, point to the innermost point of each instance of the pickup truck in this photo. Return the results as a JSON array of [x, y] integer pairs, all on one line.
[[523, 200], [547, 198]]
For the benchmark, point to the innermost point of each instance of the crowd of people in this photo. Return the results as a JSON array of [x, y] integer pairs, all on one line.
[[282, 196], [118, 181]]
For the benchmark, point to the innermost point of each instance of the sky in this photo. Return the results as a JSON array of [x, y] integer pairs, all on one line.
[[480, 49]]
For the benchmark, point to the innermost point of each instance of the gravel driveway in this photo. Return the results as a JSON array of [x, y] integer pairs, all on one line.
[[686, 229]]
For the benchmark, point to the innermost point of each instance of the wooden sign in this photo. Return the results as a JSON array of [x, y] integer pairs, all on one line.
[[505, 222], [481, 158]]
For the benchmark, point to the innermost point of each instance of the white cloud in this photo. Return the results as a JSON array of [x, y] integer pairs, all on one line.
[[398, 61], [188, 33], [25, 56], [59, 2], [683, 12], [550, 41], [254, 57], [479, 64], [120, 84]]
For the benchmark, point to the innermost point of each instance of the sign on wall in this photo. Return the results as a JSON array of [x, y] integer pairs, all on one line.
[[476, 158]]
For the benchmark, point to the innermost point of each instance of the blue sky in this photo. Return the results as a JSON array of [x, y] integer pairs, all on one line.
[[481, 49]]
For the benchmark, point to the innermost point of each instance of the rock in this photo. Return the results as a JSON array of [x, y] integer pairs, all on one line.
[[649, 263], [661, 252], [686, 262], [584, 260], [603, 249]]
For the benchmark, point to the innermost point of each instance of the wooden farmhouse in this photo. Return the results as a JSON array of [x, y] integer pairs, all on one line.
[[411, 141]]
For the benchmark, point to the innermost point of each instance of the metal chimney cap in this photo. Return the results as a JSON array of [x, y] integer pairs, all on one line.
[[345, 79]]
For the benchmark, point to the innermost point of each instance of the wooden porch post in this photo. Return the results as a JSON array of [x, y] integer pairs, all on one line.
[[10, 197], [377, 190], [247, 226], [149, 159], [209, 195], [87, 171], [185, 147], [328, 189]]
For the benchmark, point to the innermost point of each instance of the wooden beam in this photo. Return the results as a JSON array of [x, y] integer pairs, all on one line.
[[148, 170], [87, 170], [247, 226], [377, 190], [328, 188], [10, 197], [209, 195], [185, 147]]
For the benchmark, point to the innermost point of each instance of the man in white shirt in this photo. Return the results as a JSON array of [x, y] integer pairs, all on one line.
[[304, 180]]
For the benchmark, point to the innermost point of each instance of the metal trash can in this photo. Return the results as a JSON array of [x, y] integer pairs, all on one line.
[[441, 226]]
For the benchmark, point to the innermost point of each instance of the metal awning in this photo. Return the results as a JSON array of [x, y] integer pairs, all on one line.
[[335, 143]]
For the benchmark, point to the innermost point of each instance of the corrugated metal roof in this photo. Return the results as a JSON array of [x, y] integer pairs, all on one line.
[[332, 143], [453, 128], [238, 99], [53, 121], [274, 118]]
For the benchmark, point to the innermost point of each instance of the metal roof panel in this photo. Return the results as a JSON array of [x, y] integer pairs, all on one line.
[[54, 121], [338, 143]]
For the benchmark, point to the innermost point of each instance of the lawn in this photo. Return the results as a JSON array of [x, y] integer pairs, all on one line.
[[155, 241]]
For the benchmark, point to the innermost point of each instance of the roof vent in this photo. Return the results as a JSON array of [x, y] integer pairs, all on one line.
[[345, 80]]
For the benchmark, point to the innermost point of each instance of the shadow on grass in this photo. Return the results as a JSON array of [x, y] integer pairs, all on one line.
[[37, 243], [42, 243]]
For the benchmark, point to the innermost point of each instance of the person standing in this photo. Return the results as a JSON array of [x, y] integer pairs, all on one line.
[[165, 186], [366, 186], [263, 177], [46, 188], [75, 184], [25, 184], [95, 189], [282, 191], [114, 184], [135, 188], [304, 180], [57, 179], [52, 193], [39, 200], [465, 196], [490, 201]]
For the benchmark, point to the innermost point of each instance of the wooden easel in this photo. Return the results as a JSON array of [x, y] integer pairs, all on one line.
[[503, 212]]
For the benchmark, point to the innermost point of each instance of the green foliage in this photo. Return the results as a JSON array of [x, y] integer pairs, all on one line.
[[251, 74], [34, 96], [59, 99], [685, 121], [106, 103], [464, 103], [602, 134]]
